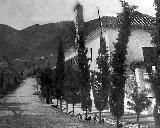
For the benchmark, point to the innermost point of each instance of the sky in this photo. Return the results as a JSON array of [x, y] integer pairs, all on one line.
[[20, 14]]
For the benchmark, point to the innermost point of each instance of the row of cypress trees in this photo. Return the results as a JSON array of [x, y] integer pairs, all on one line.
[[154, 77], [66, 82], [109, 85], [102, 80], [105, 83]]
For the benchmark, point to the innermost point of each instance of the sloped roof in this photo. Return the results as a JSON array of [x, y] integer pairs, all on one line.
[[139, 20]]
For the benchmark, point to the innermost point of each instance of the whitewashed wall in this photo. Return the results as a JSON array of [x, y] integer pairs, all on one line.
[[138, 39], [94, 43]]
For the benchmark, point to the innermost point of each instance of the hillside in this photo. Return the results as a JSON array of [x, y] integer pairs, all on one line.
[[42, 40], [7, 48], [36, 40]]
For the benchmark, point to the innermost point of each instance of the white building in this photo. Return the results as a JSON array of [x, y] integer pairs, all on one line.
[[142, 26]]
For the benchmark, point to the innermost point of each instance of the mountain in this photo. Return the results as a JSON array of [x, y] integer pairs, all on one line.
[[6, 47], [36, 40], [42, 40]]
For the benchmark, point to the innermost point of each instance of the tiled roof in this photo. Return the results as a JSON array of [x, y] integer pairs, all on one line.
[[139, 20], [142, 19]]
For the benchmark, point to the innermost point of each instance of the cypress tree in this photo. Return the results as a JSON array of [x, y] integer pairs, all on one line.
[[45, 80], [155, 77], [84, 74], [1, 78], [72, 87], [102, 83], [119, 64], [60, 73]]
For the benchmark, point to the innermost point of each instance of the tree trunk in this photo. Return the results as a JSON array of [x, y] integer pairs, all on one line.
[[86, 114], [37, 87], [66, 107], [138, 120], [156, 116], [99, 116], [61, 103], [57, 102], [117, 121], [73, 108], [48, 96]]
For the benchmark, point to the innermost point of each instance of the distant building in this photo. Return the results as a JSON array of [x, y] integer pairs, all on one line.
[[3, 65]]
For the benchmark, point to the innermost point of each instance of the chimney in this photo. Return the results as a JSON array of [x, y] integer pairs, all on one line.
[[79, 23]]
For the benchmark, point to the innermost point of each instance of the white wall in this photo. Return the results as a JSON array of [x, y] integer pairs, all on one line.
[[94, 43], [138, 39]]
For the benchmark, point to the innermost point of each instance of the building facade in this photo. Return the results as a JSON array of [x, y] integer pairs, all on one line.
[[142, 27]]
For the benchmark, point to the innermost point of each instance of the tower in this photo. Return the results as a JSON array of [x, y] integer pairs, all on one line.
[[79, 23]]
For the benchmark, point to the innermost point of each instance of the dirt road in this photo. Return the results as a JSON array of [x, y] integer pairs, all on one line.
[[22, 109]]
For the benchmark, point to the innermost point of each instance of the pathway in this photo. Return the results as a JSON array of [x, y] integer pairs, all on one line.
[[22, 109]]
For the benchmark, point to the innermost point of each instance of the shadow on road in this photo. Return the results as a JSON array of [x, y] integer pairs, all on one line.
[[13, 107]]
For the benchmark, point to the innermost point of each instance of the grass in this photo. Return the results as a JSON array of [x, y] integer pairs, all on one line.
[[128, 118]]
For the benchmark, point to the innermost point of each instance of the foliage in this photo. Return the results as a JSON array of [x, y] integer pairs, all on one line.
[[84, 74], [10, 79], [136, 64], [119, 63], [155, 81], [72, 88], [156, 37], [45, 79], [60, 71], [155, 77], [86, 102], [45, 76], [102, 80], [1, 79], [139, 101]]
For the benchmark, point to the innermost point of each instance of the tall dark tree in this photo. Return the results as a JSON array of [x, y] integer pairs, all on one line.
[[119, 63], [102, 83], [84, 74], [60, 73], [1, 79], [155, 77], [72, 88], [45, 79]]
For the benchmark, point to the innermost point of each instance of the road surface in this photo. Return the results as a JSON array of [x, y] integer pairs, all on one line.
[[22, 109]]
